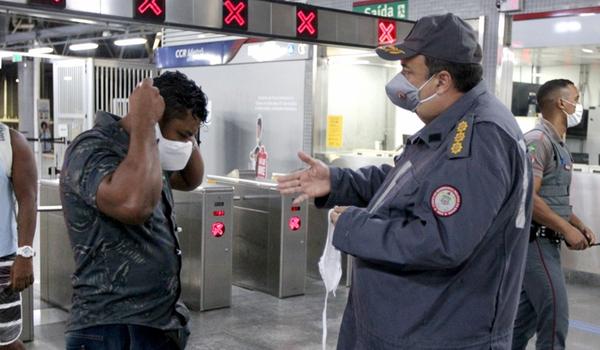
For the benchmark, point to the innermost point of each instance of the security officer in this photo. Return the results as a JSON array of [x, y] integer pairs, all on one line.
[[544, 307], [440, 238]]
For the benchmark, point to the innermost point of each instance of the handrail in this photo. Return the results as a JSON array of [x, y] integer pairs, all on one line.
[[49, 208], [233, 180]]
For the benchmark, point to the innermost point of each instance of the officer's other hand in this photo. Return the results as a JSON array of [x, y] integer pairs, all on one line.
[[21, 274], [575, 239], [146, 105], [335, 214], [310, 183], [589, 234]]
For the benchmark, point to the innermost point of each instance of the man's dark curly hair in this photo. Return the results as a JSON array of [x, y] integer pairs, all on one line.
[[181, 94]]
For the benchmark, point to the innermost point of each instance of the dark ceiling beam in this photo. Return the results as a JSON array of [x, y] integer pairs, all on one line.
[[77, 29], [4, 21]]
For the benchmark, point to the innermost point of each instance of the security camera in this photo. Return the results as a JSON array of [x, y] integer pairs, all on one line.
[[499, 3]]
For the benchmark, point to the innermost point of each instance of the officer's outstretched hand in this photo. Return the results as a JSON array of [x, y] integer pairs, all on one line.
[[311, 182], [576, 240]]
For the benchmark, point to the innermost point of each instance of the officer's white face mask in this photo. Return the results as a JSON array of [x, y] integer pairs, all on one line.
[[330, 268], [575, 117], [174, 155], [399, 85]]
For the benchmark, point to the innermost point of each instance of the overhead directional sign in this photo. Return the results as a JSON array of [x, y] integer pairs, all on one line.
[[382, 8], [235, 14], [152, 10], [307, 22], [386, 32], [275, 19], [59, 4]]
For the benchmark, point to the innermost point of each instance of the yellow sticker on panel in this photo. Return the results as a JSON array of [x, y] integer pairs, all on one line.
[[335, 131]]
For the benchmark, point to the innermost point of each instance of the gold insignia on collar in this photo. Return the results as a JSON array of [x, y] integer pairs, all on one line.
[[459, 138], [456, 148]]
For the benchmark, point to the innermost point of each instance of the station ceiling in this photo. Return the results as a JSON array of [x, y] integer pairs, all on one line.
[[21, 33]]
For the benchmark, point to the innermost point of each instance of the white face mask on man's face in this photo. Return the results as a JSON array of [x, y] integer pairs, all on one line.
[[174, 155], [574, 118]]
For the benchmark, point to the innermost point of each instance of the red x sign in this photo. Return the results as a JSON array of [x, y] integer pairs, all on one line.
[[235, 14], [57, 4], [386, 32], [150, 5], [153, 10], [306, 22]]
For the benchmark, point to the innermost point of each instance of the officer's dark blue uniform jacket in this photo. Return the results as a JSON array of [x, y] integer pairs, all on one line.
[[440, 238]]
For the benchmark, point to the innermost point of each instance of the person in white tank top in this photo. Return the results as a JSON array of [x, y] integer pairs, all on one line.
[[18, 199]]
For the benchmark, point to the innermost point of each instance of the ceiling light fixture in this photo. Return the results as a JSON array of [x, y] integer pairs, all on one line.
[[41, 50], [587, 50], [83, 21], [83, 47], [130, 41]]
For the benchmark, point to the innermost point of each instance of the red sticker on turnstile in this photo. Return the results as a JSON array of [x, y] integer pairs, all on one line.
[[218, 229], [295, 223]]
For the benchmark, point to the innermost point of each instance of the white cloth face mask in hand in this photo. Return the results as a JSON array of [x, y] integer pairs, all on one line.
[[330, 268]]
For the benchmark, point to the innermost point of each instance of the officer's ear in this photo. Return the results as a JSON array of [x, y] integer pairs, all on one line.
[[445, 82]]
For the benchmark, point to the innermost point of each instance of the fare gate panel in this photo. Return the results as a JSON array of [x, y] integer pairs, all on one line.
[[269, 241], [206, 219]]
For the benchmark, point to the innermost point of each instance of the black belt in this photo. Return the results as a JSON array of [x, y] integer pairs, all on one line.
[[540, 231]]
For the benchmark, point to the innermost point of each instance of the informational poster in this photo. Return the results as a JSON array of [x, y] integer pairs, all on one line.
[[43, 109], [335, 131], [267, 110], [63, 130]]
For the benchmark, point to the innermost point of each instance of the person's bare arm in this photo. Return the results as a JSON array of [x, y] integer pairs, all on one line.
[[24, 181], [133, 190], [544, 215]]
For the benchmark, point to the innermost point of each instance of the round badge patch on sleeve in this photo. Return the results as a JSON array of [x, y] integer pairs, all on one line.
[[445, 201]]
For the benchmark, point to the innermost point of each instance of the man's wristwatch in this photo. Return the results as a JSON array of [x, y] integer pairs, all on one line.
[[26, 251]]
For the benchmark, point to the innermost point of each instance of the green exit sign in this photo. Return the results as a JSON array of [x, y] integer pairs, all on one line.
[[392, 9]]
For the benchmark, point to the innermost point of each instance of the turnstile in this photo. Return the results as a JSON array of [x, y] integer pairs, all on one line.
[[269, 242], [205, 217], [56, 260], [317, 235]]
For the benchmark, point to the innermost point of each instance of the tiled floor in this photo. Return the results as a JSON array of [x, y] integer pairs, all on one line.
[[260, 321]]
